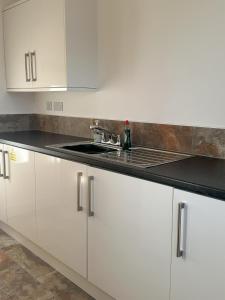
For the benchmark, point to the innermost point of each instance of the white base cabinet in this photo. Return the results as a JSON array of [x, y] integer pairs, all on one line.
[[127, 221], [3, 215], [20, 190], [129, 236], [114, 230], [61, 210], [199, 274]]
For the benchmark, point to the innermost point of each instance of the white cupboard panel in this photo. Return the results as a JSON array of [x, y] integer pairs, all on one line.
[[49, 43], [200, 274], [60, 37], [20, 191], [3, 215], [129, 237], [17, 39], [62, 229]]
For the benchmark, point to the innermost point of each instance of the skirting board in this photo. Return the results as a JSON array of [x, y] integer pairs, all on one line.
[[57, 265]]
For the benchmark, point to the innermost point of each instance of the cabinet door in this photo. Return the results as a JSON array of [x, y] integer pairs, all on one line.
[[62, 227], [49, 43], [3, 215], [20, 190], [200, 273], [129, 236], [17, 40]]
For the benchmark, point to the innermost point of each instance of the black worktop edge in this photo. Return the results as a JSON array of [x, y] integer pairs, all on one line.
[[124, 169]]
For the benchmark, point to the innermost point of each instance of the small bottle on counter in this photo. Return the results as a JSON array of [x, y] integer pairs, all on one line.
[[127, 136]]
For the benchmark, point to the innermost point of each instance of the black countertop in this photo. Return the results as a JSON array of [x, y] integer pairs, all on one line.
[[201, 175]]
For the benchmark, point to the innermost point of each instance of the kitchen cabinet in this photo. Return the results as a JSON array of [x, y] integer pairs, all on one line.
[[129, 236], [20, 190], [3, 215], [50, 45], [17, 40], [61, 210], [132, 238], [198, 264]]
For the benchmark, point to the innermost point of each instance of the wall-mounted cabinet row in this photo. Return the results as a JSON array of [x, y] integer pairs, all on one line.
[[132, 238], [50, 45]]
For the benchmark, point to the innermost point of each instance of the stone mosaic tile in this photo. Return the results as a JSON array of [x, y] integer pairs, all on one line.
[[62, 288], [209, 142], [13, 279], [166, 137], [4, 296], [24, 276], [6, 240], [14, 122], [5, 261], [186, 139], [75, 126], [35, 266], [71, 125]]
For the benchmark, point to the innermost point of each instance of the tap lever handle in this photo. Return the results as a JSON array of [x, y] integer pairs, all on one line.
[[118, 140], [103, 137]]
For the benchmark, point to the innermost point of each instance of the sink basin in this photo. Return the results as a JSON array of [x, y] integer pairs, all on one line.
[[137, 156], [87, 148]]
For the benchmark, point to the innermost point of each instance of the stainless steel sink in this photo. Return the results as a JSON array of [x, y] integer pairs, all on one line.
[[85, 147], [137, 156], [144, 157]]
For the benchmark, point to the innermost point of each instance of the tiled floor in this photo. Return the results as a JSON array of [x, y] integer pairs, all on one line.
[[24, 276]]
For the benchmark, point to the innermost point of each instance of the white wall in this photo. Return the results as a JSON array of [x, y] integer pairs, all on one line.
[[11, 103], [8, 2], [159, 61]]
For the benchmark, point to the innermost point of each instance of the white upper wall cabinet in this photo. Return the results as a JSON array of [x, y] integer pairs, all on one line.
[[51, 45], [17, 40]]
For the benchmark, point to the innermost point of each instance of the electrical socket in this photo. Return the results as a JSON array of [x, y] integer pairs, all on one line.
[[58, 106], [49, 105]]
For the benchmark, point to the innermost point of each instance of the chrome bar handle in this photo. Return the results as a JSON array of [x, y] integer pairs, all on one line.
[[1, 164], [180, 230], [27, 67], [5, 175], [79, 177], [33, 66], [90, 182]]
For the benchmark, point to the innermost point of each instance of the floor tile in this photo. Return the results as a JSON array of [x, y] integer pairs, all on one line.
[[24, 276], [62, 288], [35, 266], [18, 284], [13, 279], [6, 240], [4, 296], [5, 261]]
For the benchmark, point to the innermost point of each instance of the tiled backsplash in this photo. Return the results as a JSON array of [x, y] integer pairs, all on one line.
[[15, 122], [193, 140]]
